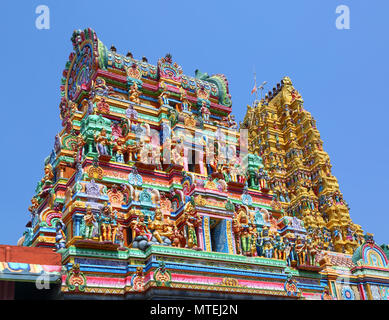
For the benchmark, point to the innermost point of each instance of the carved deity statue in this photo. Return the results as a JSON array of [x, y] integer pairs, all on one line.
[[139, 227], [163, 98], [265, 244], [244, 231], [134, 93], [119, 148], [49, 175], [60, 237], [108, 224], [184, 100], [301, 250], [90, 223], [161, 227], [205, 111], [192, 221], [102, 143], [78, 148], [313, 249], [279, 247], [120, 236]]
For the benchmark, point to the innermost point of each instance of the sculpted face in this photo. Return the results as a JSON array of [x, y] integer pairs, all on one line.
[[158, 214], [243, 217]]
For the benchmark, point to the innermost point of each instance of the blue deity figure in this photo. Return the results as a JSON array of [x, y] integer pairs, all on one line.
[[60, 237], [290, 252], [265, 244], [107, 224], [279, 247], [102, 143]]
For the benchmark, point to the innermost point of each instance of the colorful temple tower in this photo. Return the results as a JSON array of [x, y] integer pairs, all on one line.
[[285, 135], [152, 191]]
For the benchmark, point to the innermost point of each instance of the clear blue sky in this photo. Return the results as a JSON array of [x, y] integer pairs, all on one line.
[[341, 75]]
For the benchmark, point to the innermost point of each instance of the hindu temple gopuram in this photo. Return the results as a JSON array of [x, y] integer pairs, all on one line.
[[152, 190]]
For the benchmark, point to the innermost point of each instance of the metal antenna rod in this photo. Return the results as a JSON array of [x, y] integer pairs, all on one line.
[[261, 87]]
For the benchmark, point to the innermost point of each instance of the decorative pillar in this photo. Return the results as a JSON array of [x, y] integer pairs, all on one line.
[[230, 238], [206, 246], [368, 291], [362, 291]]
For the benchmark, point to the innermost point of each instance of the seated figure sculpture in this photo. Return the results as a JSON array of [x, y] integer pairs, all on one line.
[[141, 235], [161, 228]]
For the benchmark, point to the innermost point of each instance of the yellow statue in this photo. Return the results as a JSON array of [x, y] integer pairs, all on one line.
[[245, 235], [49, 175], [161, 227], [192, 221], [163, 97], [134, 93], [102, 143]]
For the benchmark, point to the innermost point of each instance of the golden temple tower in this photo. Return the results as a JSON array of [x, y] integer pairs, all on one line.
[[286, 137]]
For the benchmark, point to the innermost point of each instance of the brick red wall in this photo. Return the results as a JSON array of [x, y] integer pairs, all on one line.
[[30, 255]]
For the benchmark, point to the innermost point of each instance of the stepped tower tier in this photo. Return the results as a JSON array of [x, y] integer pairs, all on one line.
[[285, 135]]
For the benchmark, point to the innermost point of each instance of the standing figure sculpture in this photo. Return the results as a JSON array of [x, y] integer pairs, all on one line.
[[119, 148], [279, 247], [89, 223], [265, 245], [163, 98], [79, 149], [205, 111], [300, 250], [290, 253], [108, 224], [102, 143], [244, 232], [60, 238], [313, 249], [184, 100], [192, 221], [120, 237]]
